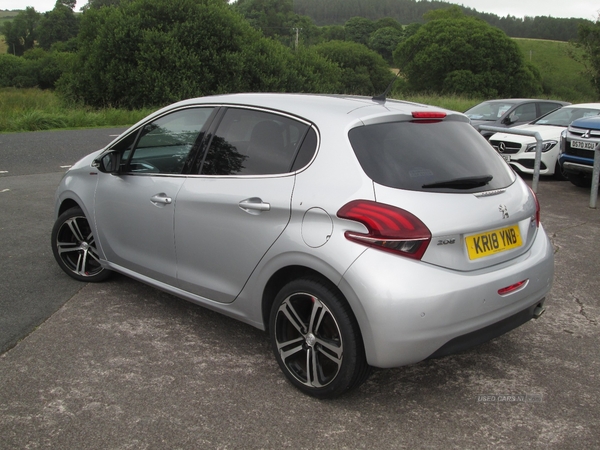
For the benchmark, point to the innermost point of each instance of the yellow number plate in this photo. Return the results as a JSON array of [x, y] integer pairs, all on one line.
[[492, 242]]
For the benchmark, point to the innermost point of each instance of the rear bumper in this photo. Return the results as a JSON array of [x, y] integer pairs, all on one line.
[[469, 340], [409, 311]]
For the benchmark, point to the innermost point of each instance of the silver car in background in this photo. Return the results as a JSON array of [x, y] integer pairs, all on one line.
[[359, 232], [509, 112]]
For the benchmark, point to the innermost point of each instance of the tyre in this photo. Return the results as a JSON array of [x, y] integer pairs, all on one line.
[[316, 339], [559, 174], [74, 247], [580, 180]]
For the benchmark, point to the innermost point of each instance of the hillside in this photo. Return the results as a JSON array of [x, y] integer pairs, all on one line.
[[337, 12], [562, 76]]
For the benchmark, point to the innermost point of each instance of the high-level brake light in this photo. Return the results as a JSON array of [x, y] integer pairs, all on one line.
[[428, 115]]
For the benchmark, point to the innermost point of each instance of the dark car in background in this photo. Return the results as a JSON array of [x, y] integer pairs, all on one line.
[[577, 146], [509, 112]]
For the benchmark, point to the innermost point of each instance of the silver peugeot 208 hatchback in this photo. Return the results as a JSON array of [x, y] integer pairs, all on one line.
[[359, 232]]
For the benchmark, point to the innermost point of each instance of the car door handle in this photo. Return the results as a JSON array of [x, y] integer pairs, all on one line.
[[161, 199], [254, 205]]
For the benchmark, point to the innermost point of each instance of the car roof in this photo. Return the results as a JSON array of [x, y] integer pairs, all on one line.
[[315, 107], [320, 109], [585, 105], [526, 100]]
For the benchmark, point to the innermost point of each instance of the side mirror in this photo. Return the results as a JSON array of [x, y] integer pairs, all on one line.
[[507, 120], [108, 162]]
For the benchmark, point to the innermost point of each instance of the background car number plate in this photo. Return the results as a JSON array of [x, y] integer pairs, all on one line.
[[506, 158], [492, 242], [583, 144]]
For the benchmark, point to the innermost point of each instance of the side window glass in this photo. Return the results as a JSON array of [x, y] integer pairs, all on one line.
[[250, 142], [165, 144], [307, 150], [545, 108], [524, 113], [124, 147]]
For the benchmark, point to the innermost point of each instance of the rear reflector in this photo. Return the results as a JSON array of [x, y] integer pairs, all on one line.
[[389, 228], [512, 288]]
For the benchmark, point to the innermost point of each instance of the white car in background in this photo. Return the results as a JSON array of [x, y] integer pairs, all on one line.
[[519, 151]]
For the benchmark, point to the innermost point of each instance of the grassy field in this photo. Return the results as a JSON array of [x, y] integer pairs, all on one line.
[[34, 109], [6, 16], [562, 76]]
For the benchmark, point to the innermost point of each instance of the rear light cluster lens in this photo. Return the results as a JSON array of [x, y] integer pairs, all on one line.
[[389, 228], [537, 208]]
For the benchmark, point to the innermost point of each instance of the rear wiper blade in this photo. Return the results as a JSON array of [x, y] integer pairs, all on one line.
[[461, 183]]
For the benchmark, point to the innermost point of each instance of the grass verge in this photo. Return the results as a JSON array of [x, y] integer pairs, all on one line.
[[35, 110]]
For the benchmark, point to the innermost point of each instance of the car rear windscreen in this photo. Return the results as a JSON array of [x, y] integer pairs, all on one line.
[[438, 156]]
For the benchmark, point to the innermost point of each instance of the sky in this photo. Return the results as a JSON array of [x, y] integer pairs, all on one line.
[[585, 9]]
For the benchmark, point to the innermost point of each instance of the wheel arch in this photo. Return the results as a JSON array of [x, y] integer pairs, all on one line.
[[65, 205], [286, 274]]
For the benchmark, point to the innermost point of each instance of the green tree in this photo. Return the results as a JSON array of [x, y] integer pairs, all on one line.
[[58, 25], [14, 72], [588, 40], [68, 3], [273, 17], [276, 19], [364, 72], [333, 33], [452, 12], [153, 52], [46, 67], [385, 40], [359, 29], [97, 4], [411, 29], [19, 34], [459, 54], [388, 22]]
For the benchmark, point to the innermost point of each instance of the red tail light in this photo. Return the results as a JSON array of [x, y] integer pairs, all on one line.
[[389, 228]]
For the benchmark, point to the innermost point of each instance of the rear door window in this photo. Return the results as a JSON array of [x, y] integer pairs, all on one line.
[[524, 113], [253, 142], [442, 156], [545, 108]]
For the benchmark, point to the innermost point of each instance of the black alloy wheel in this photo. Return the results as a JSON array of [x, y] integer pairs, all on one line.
[[74, 247], [316, 339]]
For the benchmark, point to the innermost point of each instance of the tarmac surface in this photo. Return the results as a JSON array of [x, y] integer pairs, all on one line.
[[123, 366]]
